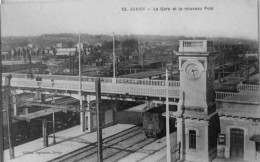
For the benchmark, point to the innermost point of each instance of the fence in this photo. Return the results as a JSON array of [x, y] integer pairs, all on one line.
[[147, 82], [237, 97], [225, 87], [248, 87]]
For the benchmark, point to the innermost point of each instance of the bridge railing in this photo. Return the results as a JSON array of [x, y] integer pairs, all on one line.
[[146, 82], [237, 87], [225, 87], [248, 87], [110, 88], [61, 77], [237, 97]]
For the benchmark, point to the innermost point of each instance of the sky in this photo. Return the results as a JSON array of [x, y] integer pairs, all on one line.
[[229, 18]]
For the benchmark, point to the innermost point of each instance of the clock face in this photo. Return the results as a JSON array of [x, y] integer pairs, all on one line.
[[192, 71]]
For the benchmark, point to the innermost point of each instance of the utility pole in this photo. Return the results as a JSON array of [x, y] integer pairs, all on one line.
[[168, 142], [114, 57], [9, 118], [223, 68], [258, 16], [70, 63], [247, 68], [1, 106], [99, 123], [82, 113], [41, 57], [98, 52], [73, 64], [53, 122], [30, 64], [45, 133], [143, 62], [161, 56]]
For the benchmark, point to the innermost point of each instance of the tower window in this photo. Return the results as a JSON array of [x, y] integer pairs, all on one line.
[[192, 139]]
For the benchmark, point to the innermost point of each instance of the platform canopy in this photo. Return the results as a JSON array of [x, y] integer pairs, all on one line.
[[37, 114]]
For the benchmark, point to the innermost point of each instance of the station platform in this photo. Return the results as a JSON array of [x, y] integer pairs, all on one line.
[[66, 141]]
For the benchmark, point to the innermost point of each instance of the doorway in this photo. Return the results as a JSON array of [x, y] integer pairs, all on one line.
[[236, 143]]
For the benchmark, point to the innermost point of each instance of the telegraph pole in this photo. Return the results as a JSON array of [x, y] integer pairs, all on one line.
[[168, 142], [9, 118], [1, 106], [114, 57], [258, 16], [82, 113], [53, 122], [99, 123]]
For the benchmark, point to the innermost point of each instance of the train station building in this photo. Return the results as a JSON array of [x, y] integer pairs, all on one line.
[[212, 125], [222, 127]]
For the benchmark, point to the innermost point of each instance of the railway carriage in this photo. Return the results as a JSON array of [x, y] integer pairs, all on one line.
[[154, 123]]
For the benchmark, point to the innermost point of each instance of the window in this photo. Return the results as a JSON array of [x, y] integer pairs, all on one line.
[[257, 147], [192, 139]]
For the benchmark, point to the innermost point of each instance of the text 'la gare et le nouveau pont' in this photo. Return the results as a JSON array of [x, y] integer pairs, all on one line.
[[206, 8]]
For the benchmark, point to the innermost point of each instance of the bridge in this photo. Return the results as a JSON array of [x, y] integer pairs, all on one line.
[[241, 93]]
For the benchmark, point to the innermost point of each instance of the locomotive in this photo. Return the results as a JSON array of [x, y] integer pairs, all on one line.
[[154, 123]]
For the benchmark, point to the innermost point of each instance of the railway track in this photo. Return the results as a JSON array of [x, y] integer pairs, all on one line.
[[114, 147]]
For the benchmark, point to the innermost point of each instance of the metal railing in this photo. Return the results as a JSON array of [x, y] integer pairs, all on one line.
[[156, 91], [195, 46], [61, 77], [146, 82], [248, 87], [236, 87], [225, 87], [237, 97], [141, 87]]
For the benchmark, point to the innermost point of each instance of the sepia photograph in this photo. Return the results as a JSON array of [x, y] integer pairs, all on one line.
[[130, 81]]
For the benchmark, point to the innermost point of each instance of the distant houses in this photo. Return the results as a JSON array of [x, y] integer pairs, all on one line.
[[66, 51], [62, 50]]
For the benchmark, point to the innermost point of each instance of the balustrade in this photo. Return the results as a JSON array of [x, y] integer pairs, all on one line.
[[247, 87], [195, 46], [225, 87], [141, 87], [237, 97], [147, 82], [156, 91]]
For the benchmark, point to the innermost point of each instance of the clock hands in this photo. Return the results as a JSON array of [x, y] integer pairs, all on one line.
[[194, 70]]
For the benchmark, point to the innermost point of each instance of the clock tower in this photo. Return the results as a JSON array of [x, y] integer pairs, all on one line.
[[197, 120]]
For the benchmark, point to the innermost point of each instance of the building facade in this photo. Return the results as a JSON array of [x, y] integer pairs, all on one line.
[[209, 127], [197, 119]]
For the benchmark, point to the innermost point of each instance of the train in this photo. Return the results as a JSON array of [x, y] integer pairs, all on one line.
[[154, 123]]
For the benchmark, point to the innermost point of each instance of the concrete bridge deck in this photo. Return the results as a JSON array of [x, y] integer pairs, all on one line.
[[130, 87]]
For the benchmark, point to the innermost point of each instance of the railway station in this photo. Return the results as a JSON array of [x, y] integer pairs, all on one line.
[[209, 120], [139, 81]]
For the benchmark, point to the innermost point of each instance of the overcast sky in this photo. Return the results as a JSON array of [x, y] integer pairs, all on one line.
[[230, 18]]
